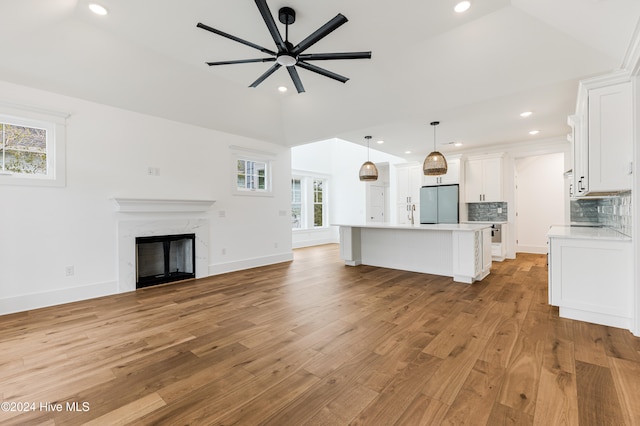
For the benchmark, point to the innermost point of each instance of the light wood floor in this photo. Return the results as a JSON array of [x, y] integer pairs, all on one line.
[[315, 342]]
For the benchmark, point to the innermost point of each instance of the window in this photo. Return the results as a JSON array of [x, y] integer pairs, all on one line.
[[252, 175], [318, 203], [32, 146], [23, 149], [252, 171], [296, 204], [308, 202]]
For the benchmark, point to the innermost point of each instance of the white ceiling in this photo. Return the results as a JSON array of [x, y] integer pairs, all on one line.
[[474, 72]]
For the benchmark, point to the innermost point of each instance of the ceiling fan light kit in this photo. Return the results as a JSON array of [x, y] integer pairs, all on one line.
[[368, 171], [435, 164], [286, 54]]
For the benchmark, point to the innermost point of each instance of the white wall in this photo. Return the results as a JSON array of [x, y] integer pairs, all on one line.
[[540, 200], [340, 161], [43, 230]]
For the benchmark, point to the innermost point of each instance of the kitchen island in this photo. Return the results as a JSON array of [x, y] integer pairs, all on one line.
[[461, 251]]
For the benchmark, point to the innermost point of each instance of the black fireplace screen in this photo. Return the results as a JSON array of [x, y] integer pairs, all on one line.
[[165, 258]]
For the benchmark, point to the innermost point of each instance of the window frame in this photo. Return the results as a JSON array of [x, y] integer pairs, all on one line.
[[55, 125], [255, 156], [307, 180]]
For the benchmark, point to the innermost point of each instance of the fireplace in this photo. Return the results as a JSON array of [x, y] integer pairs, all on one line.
[[163, 259]]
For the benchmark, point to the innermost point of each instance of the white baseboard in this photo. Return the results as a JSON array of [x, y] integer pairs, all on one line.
[[27, 302], [318, 242], [239, 265], [532, 249]]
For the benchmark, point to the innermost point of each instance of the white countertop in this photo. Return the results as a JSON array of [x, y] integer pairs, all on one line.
[[419, 227], [586, 233], [501, 222]]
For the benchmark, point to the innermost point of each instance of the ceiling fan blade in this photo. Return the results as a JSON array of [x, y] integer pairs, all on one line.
[[320, 33], [241, 61], [296, 79], [270, 71], [271, 24], [322, 71], [331, 56], [234, 38]]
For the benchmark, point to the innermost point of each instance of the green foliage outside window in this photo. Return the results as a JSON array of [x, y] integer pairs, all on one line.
[[23, 149]]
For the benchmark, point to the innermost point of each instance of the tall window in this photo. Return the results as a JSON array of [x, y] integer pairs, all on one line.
[[296, 203], [252, 175], [308, 202], [318, 203]]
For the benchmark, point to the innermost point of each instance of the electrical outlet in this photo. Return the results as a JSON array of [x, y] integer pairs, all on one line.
[[224, 251], [222, 213], [153, 171], [275, 245], [499, 209], [69, 271]]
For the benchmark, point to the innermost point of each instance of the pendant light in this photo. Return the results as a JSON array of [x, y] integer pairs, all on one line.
[[435, 164], [368, 171]]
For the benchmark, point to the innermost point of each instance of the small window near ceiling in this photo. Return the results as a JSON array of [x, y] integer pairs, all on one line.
[[23, 149], [252, 175], [31, 149]]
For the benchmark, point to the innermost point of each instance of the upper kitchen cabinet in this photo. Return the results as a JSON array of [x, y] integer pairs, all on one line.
[[451, 177], [603, 135], [483, 179]]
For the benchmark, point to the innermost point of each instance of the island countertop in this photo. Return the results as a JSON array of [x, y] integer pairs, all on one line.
[[419, 227]]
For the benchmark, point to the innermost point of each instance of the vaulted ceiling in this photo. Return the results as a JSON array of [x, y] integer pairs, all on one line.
[[475, 72]]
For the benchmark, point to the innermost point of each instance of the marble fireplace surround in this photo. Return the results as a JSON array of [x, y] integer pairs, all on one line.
[[139, 217]]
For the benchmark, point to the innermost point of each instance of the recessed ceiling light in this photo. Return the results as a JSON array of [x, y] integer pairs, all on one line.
[[526, 114], [534, 132], [457, 144], [97, 9], [282, 89], [462, 6], [380, 142], [407, 152]]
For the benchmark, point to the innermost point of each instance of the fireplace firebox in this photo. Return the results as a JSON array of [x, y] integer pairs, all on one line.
[[164, 259]]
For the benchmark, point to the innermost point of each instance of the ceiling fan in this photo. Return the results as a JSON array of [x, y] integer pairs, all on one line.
[[287, 54]]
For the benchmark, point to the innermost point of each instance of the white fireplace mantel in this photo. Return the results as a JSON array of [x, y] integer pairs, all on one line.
[[155, 205]]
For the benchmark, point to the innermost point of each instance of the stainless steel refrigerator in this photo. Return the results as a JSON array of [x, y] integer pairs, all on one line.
[[439, 204]]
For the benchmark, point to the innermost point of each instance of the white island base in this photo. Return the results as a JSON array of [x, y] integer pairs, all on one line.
[[460, 251]]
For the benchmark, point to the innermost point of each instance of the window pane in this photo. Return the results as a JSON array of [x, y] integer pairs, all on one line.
[[317, 215], [261, 183], [241, 181], [25, 149], [296, 216], [241, 167]]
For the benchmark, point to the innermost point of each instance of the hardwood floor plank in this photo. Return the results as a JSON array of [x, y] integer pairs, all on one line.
[[597, 398], [315, 342], [482, 386], [625, 377], [557, 399]]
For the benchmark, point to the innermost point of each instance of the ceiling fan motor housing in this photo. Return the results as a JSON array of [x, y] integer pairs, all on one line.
[[286, 15]]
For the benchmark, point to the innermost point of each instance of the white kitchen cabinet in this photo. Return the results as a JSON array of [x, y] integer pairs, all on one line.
[[602, 133], [452, 176], [591, 277], [473, 254], [579, 181], [408, 183], [483, 179], [610, 138]]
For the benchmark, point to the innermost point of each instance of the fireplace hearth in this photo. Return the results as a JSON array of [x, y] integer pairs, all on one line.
[[165, 258]]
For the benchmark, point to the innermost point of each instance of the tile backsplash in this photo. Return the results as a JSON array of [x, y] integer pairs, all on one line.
[[487, 212], [614, 212]]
